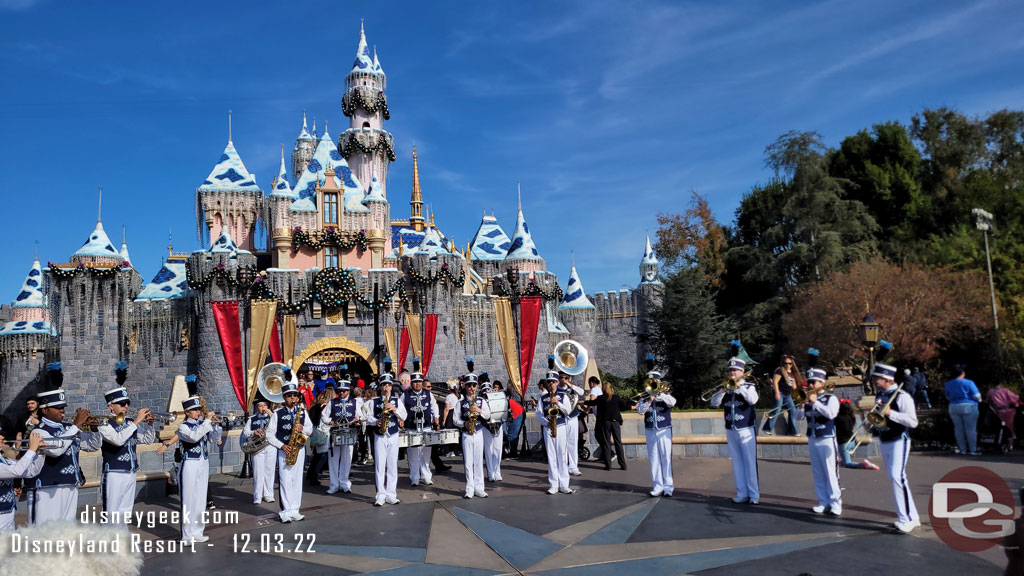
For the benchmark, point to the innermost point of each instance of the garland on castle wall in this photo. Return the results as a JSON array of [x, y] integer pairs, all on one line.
[[332, 287], [355, 100], [445, 274], [350, 144], [222, 275], [330, 237], [100, 272], [501, 286]]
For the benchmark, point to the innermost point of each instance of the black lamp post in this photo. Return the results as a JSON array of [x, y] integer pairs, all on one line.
[[869, 337]]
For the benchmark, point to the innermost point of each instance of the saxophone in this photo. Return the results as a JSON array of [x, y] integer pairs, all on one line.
[[385, 417], [296, 440], [552, 415], [471, 421]]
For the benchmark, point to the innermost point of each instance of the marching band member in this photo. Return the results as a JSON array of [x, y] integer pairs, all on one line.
[[657, 413], [820, 411], [264, 462], [558, 462], [472, 436], [341, 411], [894, 440], [421, 410], [53, 495], [194, 475], [572, 449], [385, 446], [279, 432], [494, 436], [120, 460], [29, 465], [739, 431]]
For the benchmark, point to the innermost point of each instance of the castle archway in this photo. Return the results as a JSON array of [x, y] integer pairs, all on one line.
[[341, 350]]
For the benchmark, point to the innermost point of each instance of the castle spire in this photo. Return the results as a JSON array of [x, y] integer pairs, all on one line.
[[575, 297], [363, 61], [99, 210], [522, 247], [416, 202], [281, 188], [125, 256], [649, 265], [229, 125]]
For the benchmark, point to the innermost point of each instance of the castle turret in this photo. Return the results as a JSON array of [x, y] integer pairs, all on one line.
[[26, 341], [578, 313], [416, 202], [522, 253], [488, 248], [125, 256], [368, 148], [649, 266], [303, 152], [278, 222], [229, 198]]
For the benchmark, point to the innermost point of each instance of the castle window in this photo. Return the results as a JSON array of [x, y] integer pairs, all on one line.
[[330, 257], [330, 209]]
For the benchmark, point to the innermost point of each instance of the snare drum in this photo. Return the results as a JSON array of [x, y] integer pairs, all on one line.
[[343, 436], [498, 403], [403, 439], [415, 439], [431, 437], [449, 436]]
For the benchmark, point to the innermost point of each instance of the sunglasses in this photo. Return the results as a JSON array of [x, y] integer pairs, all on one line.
[[788, 364]]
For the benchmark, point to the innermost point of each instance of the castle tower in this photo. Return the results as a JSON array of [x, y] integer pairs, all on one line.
[[416, 202], [649, 266], [278, 222], [380, 219], [488, 248], [522, 253], [578, 313], [303, 152], [229, 198], [26, 342], [368, 148], [125, 256]]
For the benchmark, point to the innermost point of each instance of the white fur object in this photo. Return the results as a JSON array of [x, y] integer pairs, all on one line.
[[124, 562]]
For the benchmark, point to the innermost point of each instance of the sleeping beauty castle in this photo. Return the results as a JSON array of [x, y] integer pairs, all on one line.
[[341, 280]]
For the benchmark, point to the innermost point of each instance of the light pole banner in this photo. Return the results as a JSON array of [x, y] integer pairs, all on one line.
[[529, 323], [415, 334], [262, 314]]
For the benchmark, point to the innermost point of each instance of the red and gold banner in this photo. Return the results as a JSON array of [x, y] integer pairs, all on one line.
[[225, 314], [275, 343], [529, 321], [429, 334], [403, 346]]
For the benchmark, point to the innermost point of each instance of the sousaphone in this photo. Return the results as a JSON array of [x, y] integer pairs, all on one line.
[[571, 357], [271, 380]]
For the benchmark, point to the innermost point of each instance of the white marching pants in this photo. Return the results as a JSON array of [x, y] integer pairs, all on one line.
[[659, 454], [473, 455], [558, 464], [118, 490], [572, 448], [264, 470], [743, 451], [193, 479], [291, 484], [894, 457], [339, 462], [385, 465], [825, 470], [55, 503], [7, 520], [492, 452], [419, 464]]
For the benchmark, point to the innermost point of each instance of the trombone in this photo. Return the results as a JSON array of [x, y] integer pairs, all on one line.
[[872, 420], [652, 387], [799, 396], [725, 385]]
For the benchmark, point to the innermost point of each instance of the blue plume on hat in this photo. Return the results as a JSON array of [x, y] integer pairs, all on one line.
[[884, 349], [387, 364], [120, 372], [551, 361], [190, 382], [649, 361], [55, 374], [287, 371], [812, 357], [734, 347], [469, 363], [415, 364]]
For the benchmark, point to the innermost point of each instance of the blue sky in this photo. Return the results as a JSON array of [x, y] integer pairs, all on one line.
[[608, 112]]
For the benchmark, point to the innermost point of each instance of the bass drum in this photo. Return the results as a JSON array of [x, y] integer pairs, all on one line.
[[498, 403]]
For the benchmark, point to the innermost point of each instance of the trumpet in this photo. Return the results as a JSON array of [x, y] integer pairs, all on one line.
[[164, 418], [652, 387], [725, 385]]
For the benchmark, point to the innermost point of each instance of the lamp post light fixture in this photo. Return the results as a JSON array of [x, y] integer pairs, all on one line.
[[869, 337], [983, 221]]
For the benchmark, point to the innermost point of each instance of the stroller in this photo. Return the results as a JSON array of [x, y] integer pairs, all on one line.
[[992, 431]]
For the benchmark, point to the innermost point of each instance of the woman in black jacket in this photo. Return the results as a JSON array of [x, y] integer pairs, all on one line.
[[609, 422]]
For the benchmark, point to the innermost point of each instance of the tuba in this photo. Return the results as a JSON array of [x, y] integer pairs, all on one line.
[[297, 439], [571, 357], [271, 380]]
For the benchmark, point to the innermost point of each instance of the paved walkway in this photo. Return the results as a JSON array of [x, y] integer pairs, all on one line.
[[610, 526]]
